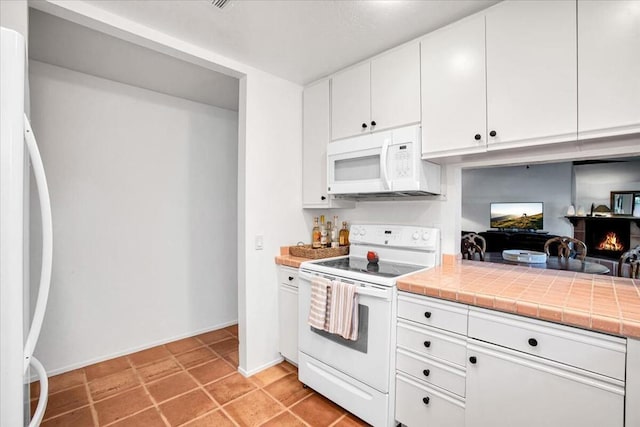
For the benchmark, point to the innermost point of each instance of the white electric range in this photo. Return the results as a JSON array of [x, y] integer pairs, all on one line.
[[357, 374]]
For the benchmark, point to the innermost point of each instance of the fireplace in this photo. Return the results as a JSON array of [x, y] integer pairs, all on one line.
[[607, 238]]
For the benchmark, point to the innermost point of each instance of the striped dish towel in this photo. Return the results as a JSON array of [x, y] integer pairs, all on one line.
[[343, 310], [318, 309]]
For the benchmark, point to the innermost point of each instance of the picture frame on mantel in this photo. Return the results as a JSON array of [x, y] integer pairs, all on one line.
[[625, 203]]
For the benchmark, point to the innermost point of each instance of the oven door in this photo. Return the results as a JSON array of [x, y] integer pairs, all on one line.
[[359, 165], [368, 358]]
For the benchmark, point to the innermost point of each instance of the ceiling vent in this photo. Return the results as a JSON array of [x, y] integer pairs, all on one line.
[[220, 4]]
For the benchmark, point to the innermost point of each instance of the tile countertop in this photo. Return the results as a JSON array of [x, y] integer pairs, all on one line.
[[289, 260], [600, 303]]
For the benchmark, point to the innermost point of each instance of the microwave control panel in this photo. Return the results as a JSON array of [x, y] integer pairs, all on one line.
[[401, 157]]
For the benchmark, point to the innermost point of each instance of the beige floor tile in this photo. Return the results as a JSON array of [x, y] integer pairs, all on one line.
[[270, 375], [285, 419], [214, 336]]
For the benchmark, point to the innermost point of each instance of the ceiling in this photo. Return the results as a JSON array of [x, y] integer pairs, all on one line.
[[299, 40], [62, 43]]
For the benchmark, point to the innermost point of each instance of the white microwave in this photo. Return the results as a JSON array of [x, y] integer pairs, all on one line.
[[385, 163]]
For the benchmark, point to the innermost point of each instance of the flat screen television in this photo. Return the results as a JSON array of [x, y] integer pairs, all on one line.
[[517, 216]]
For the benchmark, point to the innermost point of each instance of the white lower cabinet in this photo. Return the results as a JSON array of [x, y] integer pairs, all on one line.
[[516, 371], [508, 388], [288, 313]]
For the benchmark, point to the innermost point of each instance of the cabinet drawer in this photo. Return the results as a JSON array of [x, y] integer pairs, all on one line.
[[431, 371], [439, 314], [595, 352], [288, 276], [421, 405], [432, 342]]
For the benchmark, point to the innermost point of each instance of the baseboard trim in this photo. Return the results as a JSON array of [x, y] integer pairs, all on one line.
[[248, 373], [131, 350]]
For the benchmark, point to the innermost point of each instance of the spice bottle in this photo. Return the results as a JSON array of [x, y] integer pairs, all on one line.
[[323, 233], [335, 233], [344, 234], [329, 233], [315, 234]]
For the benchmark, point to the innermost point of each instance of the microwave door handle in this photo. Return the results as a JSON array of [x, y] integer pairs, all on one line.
[[383, 165]]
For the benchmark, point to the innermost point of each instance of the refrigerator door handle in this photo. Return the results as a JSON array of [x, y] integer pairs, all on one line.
[[44, 393], [47, 245]]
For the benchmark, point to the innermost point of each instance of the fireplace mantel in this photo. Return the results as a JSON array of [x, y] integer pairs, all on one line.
[[575, 219]]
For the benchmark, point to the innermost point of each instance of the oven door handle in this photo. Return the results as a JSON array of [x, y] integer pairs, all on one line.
[[361, 289]]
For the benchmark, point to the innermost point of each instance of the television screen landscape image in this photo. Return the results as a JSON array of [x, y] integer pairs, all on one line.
[[520, 216]]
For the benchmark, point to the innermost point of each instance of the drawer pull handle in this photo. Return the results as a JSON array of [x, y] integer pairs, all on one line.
[[425, 400], [426, 372], [473, 360], [533, 342], [427, 314], [427, 344], [290, 278]]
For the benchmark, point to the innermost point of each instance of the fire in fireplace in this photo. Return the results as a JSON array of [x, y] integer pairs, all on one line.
[[611, 242], [607, 238]]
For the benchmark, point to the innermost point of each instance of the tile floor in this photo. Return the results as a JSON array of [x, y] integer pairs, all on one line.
[[191, 382]]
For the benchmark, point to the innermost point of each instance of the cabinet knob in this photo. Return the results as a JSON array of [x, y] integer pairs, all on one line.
[[364, 126], [426, 372], [425, 400], [290, 278], [323, 198], [373, 123], [427, 344], [478, 137], [492, 133], [473, 360], [533, 342], [427, 314]]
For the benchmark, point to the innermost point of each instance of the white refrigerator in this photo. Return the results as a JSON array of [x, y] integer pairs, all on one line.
[[18, 330]]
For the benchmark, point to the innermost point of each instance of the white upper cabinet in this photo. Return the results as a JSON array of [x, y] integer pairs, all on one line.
[[454, 113], [395, 88], [531, 73], [315, 137], [381, 94], [351, 102], [608, 68]]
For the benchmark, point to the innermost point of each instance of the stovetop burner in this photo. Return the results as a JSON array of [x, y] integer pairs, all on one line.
[[381, 269]]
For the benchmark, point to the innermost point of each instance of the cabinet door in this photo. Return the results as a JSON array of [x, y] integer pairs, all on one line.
[[395, 88], [608, 68], [315, 137], [288, 316], [454, 103], [351, 102], [531, 73], [506, 388]]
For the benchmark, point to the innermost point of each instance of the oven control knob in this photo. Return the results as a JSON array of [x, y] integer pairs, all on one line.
[[355, 231], [426, 235], [363, 231], [415, 236]]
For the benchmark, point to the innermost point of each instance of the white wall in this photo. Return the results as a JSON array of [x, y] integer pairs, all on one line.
[[271, 197], [143, 189], [549, 183], [595, 182]]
